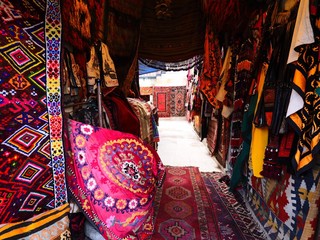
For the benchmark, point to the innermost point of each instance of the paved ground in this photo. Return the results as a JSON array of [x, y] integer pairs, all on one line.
[[180, 145]]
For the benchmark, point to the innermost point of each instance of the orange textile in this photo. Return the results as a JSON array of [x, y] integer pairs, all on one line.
[[211, 67]]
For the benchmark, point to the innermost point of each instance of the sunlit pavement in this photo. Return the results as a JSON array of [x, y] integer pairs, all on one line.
[[181, 146]]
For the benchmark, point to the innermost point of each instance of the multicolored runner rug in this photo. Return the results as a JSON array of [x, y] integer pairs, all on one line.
[[182, 207], [234, 219]]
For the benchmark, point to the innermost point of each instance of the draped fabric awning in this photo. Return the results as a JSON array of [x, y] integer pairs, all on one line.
[[170, 66], [171, 31]]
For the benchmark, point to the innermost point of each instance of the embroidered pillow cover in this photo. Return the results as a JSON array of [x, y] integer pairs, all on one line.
[[113, 177]]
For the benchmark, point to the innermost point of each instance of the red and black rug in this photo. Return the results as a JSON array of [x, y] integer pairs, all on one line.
[[234, 219], [195, 205]]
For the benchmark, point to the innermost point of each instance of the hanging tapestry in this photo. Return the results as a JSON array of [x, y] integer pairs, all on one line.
[[230, 17], [306, 121], [82, 22], [212, 135], [288, 208], [170, 101], [129, 7], [113, 177], [161, 99], [178, 100], [31, 155], [142, 110], [241, 89], [223, 139], [123, 24], [209, 77]]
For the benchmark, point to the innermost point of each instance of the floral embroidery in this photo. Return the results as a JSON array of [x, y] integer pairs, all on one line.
[[133, 204], [148, 227], [121, 204], [86, 129], [98, 194], [82, 157], [113, 176], [109, 201], [143, 201], [85, 205], [134, 217], [85, 172], [80, 141], [110, 221], [91, 185], [131, 171]]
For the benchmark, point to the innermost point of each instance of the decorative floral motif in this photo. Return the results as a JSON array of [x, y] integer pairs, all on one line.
[[131, 171], [143, 201], [109, 202], [121, 204], [80, 141], [114, 177], [134, 160], [85, 172], [133, 204], [110, 221], [86, 129], [98, 194], [91, 185], [82, 157]]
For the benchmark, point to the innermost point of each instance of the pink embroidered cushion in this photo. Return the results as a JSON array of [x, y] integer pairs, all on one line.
[[113, 177]]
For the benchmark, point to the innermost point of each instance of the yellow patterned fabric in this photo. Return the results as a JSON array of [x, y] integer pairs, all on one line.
[[53, 224], [306, 121], [259, 135]]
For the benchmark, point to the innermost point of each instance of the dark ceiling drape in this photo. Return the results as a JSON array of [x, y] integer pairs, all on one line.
[[171, 31]]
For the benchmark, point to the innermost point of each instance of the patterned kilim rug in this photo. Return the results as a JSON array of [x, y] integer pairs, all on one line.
[[32, 177], [196, 205], [234, 219], [183, 209]]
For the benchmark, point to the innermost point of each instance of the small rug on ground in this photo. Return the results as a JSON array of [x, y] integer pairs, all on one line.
[[183, 209], [234, 219]]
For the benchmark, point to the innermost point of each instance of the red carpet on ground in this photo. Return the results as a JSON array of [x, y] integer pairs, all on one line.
[[183, 209], [195, 205]]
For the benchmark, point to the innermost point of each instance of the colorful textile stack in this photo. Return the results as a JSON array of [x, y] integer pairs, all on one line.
[[113, 177], [148, 126], [32, 176]]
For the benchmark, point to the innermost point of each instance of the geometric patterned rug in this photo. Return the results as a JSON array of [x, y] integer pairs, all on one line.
[[170, 101], [30, 124], [234, 219], [182, 207], [196, 205]]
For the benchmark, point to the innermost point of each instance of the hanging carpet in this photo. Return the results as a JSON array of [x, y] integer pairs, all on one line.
[[170, 101], [300, 196], [30, 124]]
